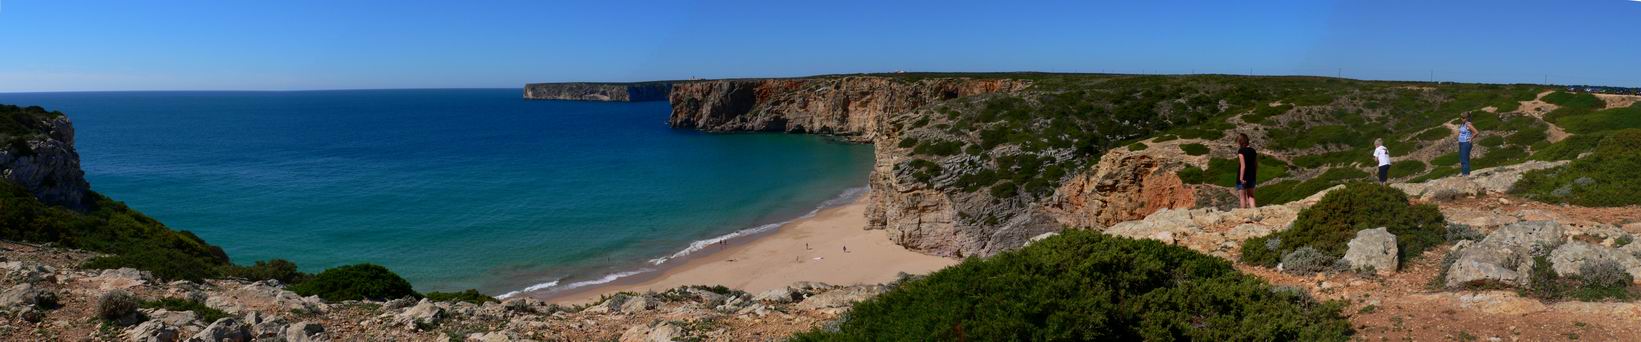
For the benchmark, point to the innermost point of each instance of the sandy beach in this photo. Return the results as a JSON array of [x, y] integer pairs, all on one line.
[[810, 249]]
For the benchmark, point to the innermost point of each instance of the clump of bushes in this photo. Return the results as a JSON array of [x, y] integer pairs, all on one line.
[[1332, 222], [1596, 281], [1604, 179], [281, 270], [355, 282], [470, 296], [1083, 285]]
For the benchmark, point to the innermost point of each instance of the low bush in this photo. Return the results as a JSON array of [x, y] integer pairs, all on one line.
[[281, 270], [470, 296], [354, 282], [1333, 221], [116, 304], [1194, 149], [1137, 147], [166, 264], [1306, 260], [1083, 285], [1604, 179]]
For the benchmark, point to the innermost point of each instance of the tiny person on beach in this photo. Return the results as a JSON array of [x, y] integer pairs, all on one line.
[[1247, 171], [1383, 155], [1466, 131]]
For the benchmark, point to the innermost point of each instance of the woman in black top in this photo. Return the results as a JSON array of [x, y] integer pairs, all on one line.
[[1247, 171]]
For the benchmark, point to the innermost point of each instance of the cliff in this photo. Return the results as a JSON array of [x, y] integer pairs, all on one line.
[[39, 155], [614, 92], [851, 107]]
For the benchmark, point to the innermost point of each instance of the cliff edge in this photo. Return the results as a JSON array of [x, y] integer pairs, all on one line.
[[611, 92], [39, 155]]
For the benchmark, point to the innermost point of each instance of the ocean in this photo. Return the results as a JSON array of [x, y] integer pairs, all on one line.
[[452, 189]]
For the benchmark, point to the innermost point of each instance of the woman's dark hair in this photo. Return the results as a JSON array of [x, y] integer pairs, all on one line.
[[1242, 139], [1466, 116]]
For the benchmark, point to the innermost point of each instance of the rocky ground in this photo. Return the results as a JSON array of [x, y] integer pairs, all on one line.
[[1477, 296], [47, 297]]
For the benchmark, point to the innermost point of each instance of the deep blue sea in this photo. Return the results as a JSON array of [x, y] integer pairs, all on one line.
[[453, 189]]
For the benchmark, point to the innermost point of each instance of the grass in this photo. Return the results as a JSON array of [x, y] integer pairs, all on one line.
[[1604, 179], [1194, 149], [1082, 285]]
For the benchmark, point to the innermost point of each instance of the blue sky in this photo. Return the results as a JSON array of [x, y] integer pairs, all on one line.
[[51, 45]]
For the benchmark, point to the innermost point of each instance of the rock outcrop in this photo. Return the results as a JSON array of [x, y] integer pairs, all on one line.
[[587, 91], [41, 158], [1505, 256]]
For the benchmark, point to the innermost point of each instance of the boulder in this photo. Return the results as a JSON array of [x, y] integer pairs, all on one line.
[[637, 304], [422, 316], [1506, 255], [840, 297], [173, 318], [708, 298], [26, 271], [25, 295], [261, 296], [304, 332], [778, 295], [1569, 259], [658, 332], [227, 329], [1372, 248], [400, 303], [151, 331], [264, 327]]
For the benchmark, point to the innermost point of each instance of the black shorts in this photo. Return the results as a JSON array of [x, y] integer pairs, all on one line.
[[1245, 185], [1384, 173]]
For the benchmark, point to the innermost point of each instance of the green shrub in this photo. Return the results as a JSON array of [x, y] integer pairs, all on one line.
[[1406, 168], [1605, 179], [277, 269], [1137, 147], [470, 296], [938, 147], [1433, 134], [165, 264], [204, 313], [1194, 149], [1306, 260], [1334, 220], [1082, 285], [361, 281], [1290, 191], [1223, 171], [1569, 148]]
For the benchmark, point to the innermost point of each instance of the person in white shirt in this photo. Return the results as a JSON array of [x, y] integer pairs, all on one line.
[[1383, 155]]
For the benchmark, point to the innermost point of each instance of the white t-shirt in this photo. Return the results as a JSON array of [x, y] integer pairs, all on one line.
[[1383, 154]]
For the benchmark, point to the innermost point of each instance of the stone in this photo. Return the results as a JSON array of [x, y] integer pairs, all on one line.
[[708, 298], [659, 332], [1248, 231], [304, 332], [151, 331], [227, 329], [173, 318], [399, 303], [1372, 249], [496, 336], [1569, 259], [26, 295], [638, 304], [423, 316], [777, 295], [1504, 256], [839, 298]]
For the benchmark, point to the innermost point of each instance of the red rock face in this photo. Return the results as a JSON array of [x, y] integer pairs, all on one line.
[[1124, 186]]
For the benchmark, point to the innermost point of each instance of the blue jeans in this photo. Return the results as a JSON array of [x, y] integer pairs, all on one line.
[[1464, 158]]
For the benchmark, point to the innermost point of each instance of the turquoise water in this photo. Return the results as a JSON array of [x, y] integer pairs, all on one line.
[[452, 189]]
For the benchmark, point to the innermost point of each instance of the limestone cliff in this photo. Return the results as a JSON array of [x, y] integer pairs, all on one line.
[[853, 107], [613, 92], [39, 155]]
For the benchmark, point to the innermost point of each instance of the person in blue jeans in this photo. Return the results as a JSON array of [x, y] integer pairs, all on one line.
[[1466, 131]]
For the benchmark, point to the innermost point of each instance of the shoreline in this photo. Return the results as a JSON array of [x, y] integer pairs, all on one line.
[[806, 249]]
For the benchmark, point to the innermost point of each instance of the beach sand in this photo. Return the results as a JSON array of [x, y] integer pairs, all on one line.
[[810, 249]]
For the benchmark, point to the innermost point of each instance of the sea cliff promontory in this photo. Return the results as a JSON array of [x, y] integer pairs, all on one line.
[[597, 91]]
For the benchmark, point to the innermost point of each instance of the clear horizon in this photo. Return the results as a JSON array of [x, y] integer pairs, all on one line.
[[315, 45]]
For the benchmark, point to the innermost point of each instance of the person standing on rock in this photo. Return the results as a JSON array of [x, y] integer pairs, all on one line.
[[1383, 155], [1247, 171], [1466, 131]]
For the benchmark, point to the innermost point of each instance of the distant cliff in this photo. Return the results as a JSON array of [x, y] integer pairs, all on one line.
[[614, 92], [38, 154], [850, 107]]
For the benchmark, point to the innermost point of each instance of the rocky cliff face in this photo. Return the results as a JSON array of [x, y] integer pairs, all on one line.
[[854, 108], [859, 109], [614, 92], [41, 157]]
